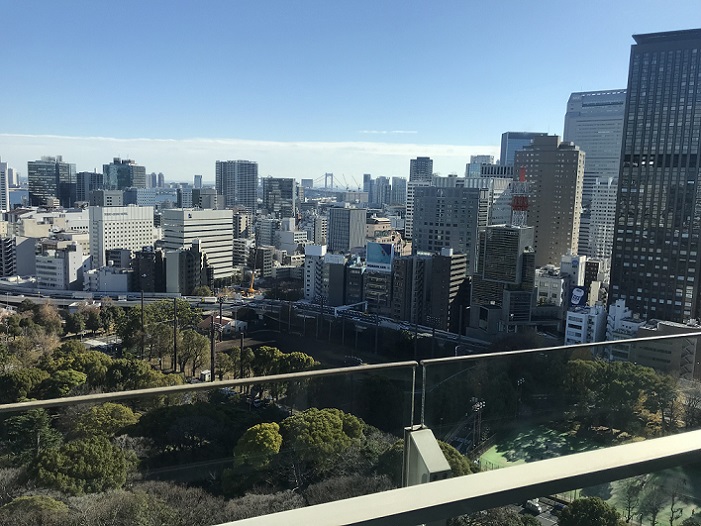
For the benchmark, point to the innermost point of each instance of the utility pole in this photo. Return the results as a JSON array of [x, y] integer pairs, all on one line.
[[175, 335], [142, 322], [211, 348], [221, 323], [377, 331]]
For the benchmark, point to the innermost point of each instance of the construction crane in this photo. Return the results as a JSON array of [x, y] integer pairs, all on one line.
[[250, 291]]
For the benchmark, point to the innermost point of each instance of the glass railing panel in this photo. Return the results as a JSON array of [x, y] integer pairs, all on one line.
[[508, 408], [210, 454], [669, 496]]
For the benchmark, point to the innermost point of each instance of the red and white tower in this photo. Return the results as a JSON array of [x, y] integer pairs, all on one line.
[[519, 199]]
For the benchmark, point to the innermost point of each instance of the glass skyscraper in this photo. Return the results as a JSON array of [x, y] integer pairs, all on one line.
[[656, 266], [50, 178]]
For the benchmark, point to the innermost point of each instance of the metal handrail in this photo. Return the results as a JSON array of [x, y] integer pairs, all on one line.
[[207, 386]]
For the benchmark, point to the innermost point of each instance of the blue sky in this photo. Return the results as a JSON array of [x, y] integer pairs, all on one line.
[[303, 87]]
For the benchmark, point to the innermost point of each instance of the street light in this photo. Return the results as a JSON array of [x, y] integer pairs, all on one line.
[[143, 329], [477, 408], [519, 385]]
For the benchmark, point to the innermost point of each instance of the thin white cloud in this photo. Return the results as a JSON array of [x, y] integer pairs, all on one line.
[[388, 132], [180, 159]]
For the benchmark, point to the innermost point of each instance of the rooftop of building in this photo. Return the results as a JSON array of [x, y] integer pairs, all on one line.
[[668, 36]]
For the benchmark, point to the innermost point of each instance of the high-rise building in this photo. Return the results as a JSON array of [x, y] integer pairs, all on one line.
[[381, 192], [346, 228], [554, 171], [123, 173], [187, 269], [314, 271], [213, 228], [13, 177], [4, 187], [50, 178], [412, 188], [367, 183], [237, 181], [197, 182], [279, 196], [499, 191], [594, 122], [429, 289], [307, 183], [602, 218], [656, 266], [86, 182], [449, 218], [503, 286], [472, 169], [421, 169], [161, 181], [128, 227], [149, 270], [398, 191], [511, 142]]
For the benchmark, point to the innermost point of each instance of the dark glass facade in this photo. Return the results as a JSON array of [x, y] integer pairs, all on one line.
[[656, 266]]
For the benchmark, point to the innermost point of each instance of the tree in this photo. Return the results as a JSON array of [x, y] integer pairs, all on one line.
[[27, 306], [202, 290], [75, 323], [27, 434], [83, 466], [61, 383], [590, 511], [675, 511], [258, 445], [127, 374], [652, 502], [19, 383], [316, 437], [93, 321], [295, 362], [193, 351], [160, 341], [459, 465], [12, 326], [112, 316], [227, 364], [494, 517], [34, 509], [47, 316], [103, 420], [630, 491]]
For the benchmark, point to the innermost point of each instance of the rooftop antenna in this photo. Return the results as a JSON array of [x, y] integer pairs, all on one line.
[[519, 199]]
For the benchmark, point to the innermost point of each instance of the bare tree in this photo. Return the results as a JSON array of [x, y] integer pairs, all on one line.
[[653, 500], [631, 489], [674, 512]]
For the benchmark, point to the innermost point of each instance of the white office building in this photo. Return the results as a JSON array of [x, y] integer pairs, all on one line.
[[214, 229], [60, 268], [129, 227], [4, 187], [314, 271], [585, 324], [603, 216]]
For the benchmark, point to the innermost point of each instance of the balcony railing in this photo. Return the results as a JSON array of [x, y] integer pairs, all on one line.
[[558, 420]]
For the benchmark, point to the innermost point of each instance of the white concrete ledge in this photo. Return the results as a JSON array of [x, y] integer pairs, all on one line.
[[449, 498]]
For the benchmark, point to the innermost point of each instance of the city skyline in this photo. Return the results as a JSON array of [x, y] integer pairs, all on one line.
[[324, 87]]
